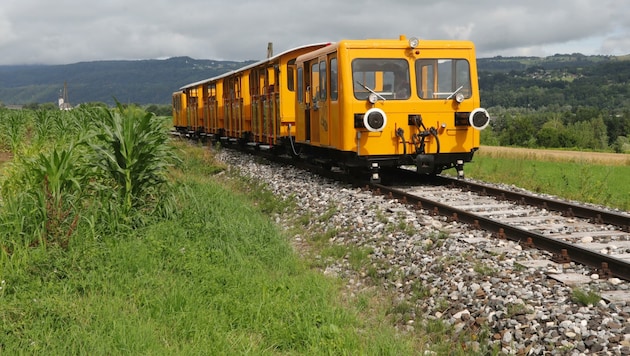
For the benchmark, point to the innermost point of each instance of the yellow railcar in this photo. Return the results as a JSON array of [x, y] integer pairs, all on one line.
[[367, 104], [252, 105], [179, 111], [358, 104], [196, 96]]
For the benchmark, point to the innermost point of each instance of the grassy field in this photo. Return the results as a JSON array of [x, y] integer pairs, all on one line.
[[600, 178], [115, 241], [125, 271], [219, 279]]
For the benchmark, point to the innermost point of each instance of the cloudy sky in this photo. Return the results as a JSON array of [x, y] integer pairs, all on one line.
[[70, 31]]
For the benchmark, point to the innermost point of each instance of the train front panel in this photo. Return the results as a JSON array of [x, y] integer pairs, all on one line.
[[392, 102]]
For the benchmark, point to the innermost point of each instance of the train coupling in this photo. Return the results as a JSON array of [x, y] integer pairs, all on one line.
[[425, 164]]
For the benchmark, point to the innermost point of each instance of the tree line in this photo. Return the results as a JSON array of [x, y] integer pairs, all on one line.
[[550, 106]]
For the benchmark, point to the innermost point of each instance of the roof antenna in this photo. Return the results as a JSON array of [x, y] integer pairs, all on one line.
[[269, 49]]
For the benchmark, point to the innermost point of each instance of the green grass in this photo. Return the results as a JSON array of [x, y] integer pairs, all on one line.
[[218, 278], [585, 297], [191, 264], [599, 184]]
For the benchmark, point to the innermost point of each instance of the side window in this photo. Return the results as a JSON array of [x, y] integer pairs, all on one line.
[[290, 75], [333, 79], [314, 81], [322, 80], [300, 85]]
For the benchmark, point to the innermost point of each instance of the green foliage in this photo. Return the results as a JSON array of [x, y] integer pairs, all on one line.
[[130, 149], [56, 185], [585, 297], [584, 100], [14, 125], [219, 279], [599, 184], [554, 127]]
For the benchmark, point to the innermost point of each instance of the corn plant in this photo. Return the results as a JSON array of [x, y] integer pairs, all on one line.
[[13, 128], [43, 121], [42, 196], [131, 149]]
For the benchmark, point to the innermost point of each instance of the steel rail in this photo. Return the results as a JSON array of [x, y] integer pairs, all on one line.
[[566, 208], [559, 248]]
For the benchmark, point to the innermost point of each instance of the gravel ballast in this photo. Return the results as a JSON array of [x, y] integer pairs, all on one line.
[[427, 263]]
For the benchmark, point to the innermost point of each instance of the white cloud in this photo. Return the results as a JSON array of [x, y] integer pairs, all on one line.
[[67, 31]]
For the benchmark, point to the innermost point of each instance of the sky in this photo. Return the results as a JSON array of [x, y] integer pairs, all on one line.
[[71, 31]]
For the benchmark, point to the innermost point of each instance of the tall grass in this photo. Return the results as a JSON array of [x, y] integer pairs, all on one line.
[[130, 149], [594, 183], [110, 177], [218, 278]]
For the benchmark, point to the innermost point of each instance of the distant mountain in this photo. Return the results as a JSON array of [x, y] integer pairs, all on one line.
[[140, 82], [153, 81], [557, 61]]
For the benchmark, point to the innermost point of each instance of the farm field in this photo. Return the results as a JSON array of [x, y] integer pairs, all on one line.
[[168, 258], [593, 177], [599, 158]]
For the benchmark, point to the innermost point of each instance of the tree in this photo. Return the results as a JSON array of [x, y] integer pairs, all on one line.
[[551, 134], [520, 132]]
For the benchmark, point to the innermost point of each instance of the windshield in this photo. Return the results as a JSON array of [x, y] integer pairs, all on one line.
[[388, 77], [440, 78]]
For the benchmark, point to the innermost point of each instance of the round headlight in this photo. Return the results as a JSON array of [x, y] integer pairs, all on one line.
[[479, 118], [413, 42], [372, 98], [375, 120], [459, 97]]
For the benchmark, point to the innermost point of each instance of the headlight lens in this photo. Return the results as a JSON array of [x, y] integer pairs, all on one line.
[[375, 120], [413, 42], [479, 118]]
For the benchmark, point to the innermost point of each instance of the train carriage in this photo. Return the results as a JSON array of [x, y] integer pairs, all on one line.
[[192, 119], [368, 104], [268, 90], [359, 104], [179, 111]]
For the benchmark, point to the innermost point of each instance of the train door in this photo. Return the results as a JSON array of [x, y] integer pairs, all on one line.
[[237, 105], [315, 101], [334, 120], [191, 110], [324, 106], [256, 105], [213, 107], [203, 114], [272, 101], [306, 90]]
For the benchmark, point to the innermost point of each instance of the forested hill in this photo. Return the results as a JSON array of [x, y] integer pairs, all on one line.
[[140, 82], [600, 81], [563, 101]]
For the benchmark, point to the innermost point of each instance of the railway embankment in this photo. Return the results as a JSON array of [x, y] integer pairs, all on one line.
[[491, 288]]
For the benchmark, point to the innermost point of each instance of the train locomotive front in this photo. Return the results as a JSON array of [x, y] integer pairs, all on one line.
[[369, 104]]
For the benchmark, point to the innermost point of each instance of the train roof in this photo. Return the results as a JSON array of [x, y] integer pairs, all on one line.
[[253, 65]]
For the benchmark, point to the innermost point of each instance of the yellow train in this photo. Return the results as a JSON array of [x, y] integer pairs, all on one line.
[[362, 105]]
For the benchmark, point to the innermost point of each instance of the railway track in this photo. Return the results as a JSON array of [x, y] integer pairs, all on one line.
[[446, 271], [574, 232], [571, 232]]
